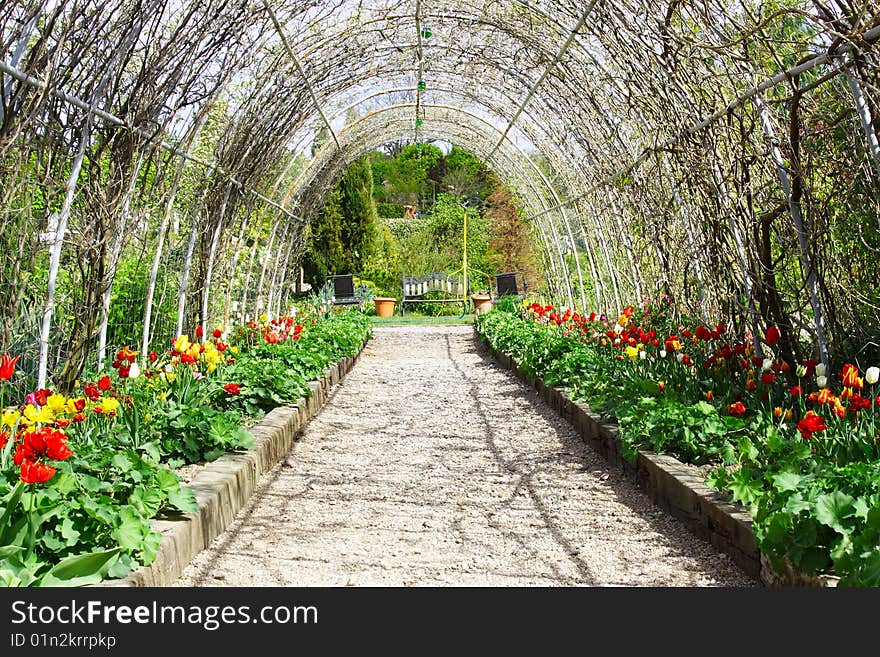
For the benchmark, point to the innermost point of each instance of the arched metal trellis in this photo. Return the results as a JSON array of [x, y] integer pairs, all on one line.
[[685, 147]]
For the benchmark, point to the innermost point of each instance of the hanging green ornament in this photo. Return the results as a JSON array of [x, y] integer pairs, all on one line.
[[422, 85], [418, 122], [426, 33]]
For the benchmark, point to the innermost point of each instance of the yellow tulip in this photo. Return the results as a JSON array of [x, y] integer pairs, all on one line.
[[10, 417], [181, 344], [32, 415], [56, 402]]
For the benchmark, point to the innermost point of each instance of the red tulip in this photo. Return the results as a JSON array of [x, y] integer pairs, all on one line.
[[7, 367], [232, 388], [737, 408], [771, 335], [36, 472], [811, 424]]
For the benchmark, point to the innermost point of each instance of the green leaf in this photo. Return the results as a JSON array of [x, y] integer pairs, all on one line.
[[167, 480], [861, 508], [69, 533], [872, 519], [80, 569], [146, 501], [64, 483], [10, 550], [774, 441], [92, 484], [868, 573], [122, 462], [745, 488], [131, 530], [151, 449], [796, 504], [11, 506], [121, 567], [747, 448], [214, 454], [184, 500], [786, 481], [833, 509], [51, 541], [9, 579], [805, 533], [150, 547]]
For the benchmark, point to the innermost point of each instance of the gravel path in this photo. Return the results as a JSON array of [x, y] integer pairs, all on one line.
[[431, 466]]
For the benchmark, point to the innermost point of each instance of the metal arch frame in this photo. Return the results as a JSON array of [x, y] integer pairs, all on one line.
[[334, 37], [292, 55], [624, 38], [556, 59], [566, 221], [346, 157]]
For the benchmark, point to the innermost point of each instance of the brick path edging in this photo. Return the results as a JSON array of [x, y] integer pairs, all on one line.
[[674, 486], [225, 485]]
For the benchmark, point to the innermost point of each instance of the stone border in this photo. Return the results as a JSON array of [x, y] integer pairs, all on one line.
[[677, 487], [224, 486]]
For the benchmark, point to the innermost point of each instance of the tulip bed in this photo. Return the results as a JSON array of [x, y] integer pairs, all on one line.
[[82, 472], [795, 443]]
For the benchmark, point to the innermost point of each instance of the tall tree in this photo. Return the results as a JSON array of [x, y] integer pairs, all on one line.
[[343, 232], [358, 229]]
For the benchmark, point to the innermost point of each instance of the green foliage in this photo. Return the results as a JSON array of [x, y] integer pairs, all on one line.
[[389, 210], [271, 375], [325, 252], [343, 234], [810, 509], [92, 519], [358, 229]]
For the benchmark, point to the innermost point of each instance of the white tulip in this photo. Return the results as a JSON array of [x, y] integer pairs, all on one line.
[[820, 369], [801, 371], [662, 353], [679, 357], [643, 355], [872, 375], [767, 364], [134, 371], [821, 381]]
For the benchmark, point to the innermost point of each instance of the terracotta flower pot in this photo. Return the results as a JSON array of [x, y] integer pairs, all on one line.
[[482, 303], [384, 306]]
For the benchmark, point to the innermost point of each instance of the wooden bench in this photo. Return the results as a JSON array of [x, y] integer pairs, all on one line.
[[415, 289]]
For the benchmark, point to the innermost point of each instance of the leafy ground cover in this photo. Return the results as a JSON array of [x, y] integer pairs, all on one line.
[[82, 472], [795, 443]]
